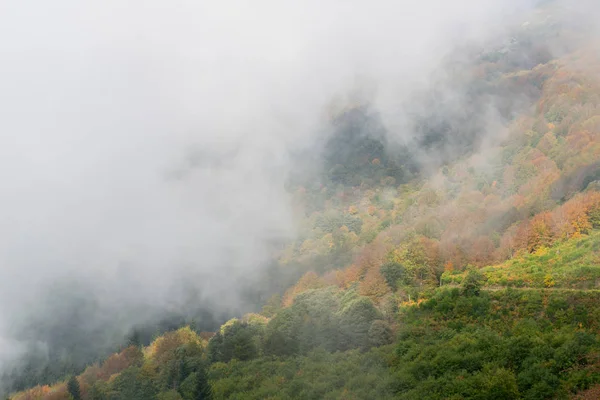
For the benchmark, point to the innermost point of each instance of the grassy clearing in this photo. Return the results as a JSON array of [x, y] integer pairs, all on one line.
[[574, 263]]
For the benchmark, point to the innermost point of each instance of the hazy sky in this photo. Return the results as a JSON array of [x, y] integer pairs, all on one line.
[[101, 101]]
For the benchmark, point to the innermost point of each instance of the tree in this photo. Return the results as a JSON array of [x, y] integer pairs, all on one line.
[[73, 388], [380, 333], [236, 339], [133, 384], [134, 339], [393, 272], [96, 392], [355, 321], [500, 384], [373, 285], [203, 390], [272, 307], [540, 232], [472, 283], [310, 280]]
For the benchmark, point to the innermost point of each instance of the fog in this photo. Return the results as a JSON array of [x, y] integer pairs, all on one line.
[[146, 143]]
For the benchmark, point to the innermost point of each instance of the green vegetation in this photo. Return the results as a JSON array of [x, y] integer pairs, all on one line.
[[506, 344], [475, 281], [573, 263], [461, 343], [495, 345], [318, 375]]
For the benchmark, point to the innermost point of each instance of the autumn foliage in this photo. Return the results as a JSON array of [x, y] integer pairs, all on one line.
[[310, 280]]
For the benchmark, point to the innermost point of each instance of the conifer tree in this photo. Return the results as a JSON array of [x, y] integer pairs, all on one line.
[[203, 390], [73, 388]]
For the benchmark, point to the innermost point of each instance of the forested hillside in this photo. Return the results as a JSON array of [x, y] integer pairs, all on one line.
[[461, 262]]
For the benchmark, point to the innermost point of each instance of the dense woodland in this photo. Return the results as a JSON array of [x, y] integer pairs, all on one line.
[[470, 275]]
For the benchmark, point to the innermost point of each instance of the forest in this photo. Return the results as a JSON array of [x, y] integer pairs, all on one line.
[[472, 274]]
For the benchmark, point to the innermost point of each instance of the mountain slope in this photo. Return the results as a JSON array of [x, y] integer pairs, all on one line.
[[471, 275]]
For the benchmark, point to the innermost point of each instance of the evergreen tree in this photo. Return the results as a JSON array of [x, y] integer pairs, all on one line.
[[73, 388], [135, 339], [203, 390]]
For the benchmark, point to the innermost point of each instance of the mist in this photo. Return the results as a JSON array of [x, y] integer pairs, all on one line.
[[145, 145]]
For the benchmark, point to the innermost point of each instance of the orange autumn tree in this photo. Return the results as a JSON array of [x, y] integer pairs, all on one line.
[[373, 285], [113, 365], [163, 349], [578, 215], [309, 280], [348, 276], [45, 392], [482, 251], [540, 232]]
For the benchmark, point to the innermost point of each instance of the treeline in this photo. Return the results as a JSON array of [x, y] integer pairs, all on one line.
[[324, 318], [460, 343], [173, 367]]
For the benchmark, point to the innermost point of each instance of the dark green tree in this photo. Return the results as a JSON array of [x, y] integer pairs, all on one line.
[[394, 272], [355, 321], [237, 340], [73, 388], [132, 384], [203, 390], [380, 333], [471, 286], [134, 339]]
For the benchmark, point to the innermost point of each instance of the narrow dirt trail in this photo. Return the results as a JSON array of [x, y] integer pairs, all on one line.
[[498, 288]]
